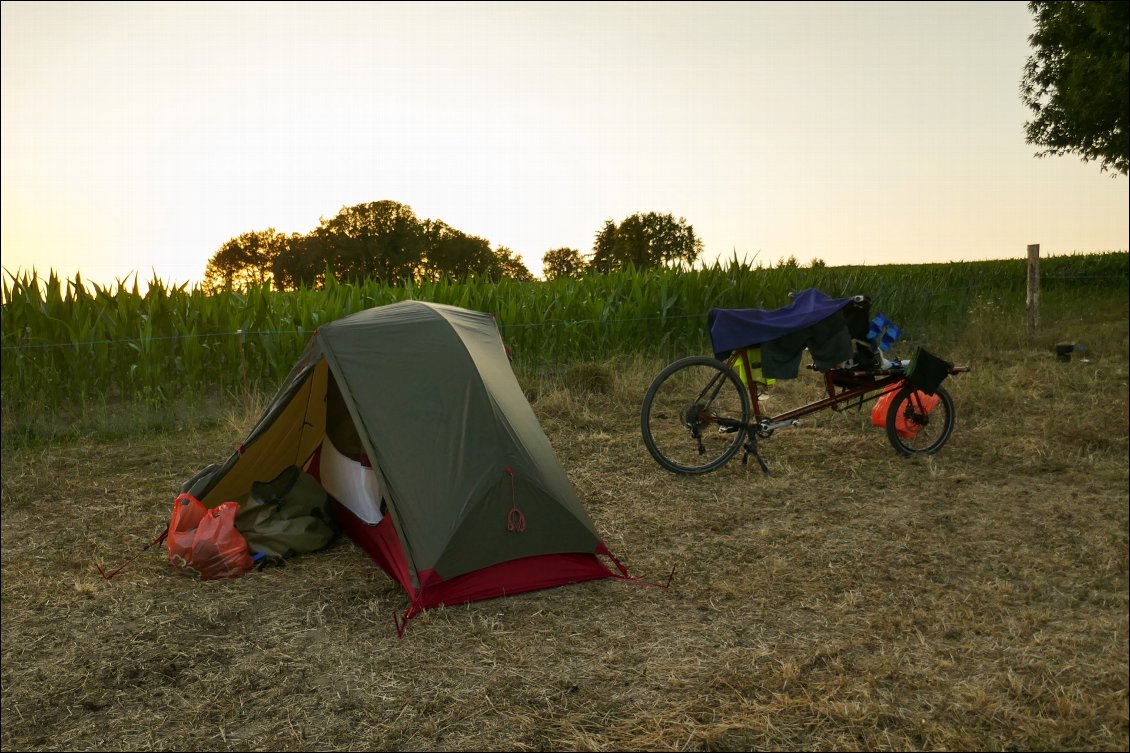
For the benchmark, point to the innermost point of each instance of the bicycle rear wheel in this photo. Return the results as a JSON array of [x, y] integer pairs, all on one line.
[[919, 424], [695, 415]]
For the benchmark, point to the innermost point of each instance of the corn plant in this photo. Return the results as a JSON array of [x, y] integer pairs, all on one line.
[[68, 344]]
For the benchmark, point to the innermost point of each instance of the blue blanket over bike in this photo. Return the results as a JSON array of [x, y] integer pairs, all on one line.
[[813, 320]]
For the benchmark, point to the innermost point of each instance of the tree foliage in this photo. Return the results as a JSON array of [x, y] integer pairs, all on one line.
[[563, 262], [245, 261], [1077, 81], [508, 264], [303, 264], [453, 253], [645, 241], [382, 240], [385, 241]]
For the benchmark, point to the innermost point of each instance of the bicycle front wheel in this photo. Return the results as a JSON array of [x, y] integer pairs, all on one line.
[[695, 415], [919, 424]]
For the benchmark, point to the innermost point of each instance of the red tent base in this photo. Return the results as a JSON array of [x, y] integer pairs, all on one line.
[[381, 543]]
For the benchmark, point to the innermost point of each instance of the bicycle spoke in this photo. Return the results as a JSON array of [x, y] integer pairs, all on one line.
[[920, 424], [694, 415]]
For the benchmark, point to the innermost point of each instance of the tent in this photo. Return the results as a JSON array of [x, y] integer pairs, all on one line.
[[474, 503]]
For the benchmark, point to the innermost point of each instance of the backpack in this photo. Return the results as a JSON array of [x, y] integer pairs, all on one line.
[[286, 516]]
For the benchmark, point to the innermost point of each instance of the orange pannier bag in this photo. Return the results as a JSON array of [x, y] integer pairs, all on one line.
[[205, 542], [904, 428]]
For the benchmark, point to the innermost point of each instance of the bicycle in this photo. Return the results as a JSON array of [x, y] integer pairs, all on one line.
[[700, 411]]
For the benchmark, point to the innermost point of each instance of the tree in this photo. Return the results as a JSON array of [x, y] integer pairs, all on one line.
[[453, 253], [244, 261], [381, 240], [1077, 82], [303, 263], [645, 241], [508, 264], [563, 262]]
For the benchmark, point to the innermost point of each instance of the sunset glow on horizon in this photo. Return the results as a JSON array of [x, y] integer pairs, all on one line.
[[140, 137]]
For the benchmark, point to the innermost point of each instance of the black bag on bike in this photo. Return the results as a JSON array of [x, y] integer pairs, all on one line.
[[926, 371]]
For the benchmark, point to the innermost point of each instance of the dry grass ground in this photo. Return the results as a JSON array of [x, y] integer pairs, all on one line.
[[854, 600]]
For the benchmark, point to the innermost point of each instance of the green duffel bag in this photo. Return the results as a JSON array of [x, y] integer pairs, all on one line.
[[286, 516]]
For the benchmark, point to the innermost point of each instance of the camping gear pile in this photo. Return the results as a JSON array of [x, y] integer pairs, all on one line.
[[404, 427]]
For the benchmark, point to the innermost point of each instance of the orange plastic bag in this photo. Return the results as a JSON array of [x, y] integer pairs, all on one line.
[[205, 542], [904, 428]]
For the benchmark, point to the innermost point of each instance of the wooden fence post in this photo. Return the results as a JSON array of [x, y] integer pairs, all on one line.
[[1033, 289]]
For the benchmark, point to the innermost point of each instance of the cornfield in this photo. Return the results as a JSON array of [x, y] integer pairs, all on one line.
[[69, 346]]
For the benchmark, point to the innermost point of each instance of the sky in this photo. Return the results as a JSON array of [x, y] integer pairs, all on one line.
[[139, 137]]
